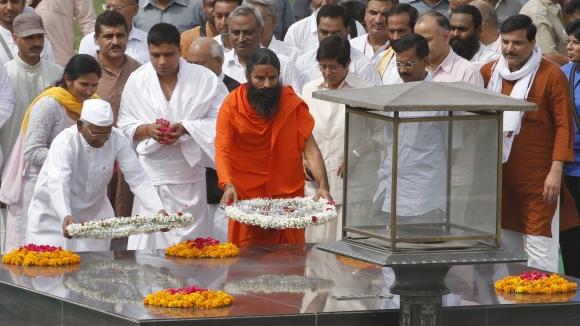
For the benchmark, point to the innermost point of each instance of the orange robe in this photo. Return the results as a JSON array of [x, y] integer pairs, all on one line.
[[262, 158], [546, 135]]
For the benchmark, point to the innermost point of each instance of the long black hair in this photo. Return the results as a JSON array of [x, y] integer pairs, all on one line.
[[78, 65]]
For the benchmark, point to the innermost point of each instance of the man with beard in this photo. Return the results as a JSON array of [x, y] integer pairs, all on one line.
[[444, 64], [209, 29], [400, 22], [188, 96], [540, 141], [375, 41], [246, 28], [264, 132], [465, 31]]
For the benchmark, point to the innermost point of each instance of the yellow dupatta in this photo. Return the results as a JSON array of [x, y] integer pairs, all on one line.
[[62, 96]]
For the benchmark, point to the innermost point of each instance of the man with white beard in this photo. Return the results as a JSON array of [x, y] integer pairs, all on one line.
[[176, 152]]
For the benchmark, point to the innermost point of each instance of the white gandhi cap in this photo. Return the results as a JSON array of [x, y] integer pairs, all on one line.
[[97, 112]]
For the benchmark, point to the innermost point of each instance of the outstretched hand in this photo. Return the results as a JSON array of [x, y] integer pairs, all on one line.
[[230, 195], [68, 220]]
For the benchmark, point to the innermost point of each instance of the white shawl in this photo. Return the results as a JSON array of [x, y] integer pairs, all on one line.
[[195, 102], [512, 120]]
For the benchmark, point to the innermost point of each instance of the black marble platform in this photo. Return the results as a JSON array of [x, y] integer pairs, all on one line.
[[283, 285]]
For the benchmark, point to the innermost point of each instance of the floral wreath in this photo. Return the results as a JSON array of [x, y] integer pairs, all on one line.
[[535, 282], [278, 284], [285, 213], [189, 297], [120, 227], [41, 255], [203, 248], [128, 277], [189, 313]]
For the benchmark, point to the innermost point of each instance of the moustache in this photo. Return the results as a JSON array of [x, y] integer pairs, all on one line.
[[36, 48]]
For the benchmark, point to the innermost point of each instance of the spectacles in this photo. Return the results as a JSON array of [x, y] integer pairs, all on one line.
[[331, 68], [115, 8], [104, 136], [406, 65]]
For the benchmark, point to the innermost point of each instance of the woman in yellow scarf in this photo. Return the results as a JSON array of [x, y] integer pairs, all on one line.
[[51, 112]]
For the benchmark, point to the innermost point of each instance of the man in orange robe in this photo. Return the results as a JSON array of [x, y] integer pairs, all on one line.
[[532, 175], [264, 133]]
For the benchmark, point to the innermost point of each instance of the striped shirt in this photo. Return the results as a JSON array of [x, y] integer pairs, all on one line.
[[456, 69]]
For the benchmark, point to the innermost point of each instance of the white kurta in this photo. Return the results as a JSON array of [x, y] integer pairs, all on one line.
[[362, 44], [73, 181], [281, 48], [329, 120], [289, 75], [303, 34], [178, 170], [483, 56], [136, 46], [47, 53], [422, 155], [27, 82], [360, 65], [6, 107], [47, 119]]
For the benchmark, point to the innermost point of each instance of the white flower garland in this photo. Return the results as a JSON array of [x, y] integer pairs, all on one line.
[[278, 284], [286, 213], [119, 227]]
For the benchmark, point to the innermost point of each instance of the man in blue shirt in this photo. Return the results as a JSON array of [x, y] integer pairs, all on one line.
[[184, 14], [570, 239]]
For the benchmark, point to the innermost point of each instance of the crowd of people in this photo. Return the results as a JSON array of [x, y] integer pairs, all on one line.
[[189, 105]]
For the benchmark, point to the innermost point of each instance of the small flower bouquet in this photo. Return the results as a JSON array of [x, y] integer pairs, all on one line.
[[120, 227], [286, 213], [203, 248], [535, 282], [189, 297], [41, 255]]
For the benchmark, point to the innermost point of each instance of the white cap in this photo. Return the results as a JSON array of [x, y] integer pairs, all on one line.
[[97, 112]]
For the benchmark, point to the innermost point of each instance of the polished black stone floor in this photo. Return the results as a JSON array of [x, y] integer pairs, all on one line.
[[282, 285]]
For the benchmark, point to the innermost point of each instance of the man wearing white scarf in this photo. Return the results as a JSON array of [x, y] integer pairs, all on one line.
[[536, 144], [174, 156]]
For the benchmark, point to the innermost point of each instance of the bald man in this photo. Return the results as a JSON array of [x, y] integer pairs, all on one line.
[[207, 52], [489, 25]]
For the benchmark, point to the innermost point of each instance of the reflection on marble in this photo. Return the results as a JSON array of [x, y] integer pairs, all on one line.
[[265, 281]]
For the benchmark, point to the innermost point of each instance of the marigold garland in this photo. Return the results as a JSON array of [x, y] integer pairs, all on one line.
[[203, 248], [35, 255], [535, 283], [190, 297], [537, 298]]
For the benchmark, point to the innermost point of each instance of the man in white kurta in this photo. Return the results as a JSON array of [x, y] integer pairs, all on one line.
[[329, 122], [29, 74], [176, 170], [303, 34], [6, 104], [333, 21], [422, 150], [72, 184], [9, 50]]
